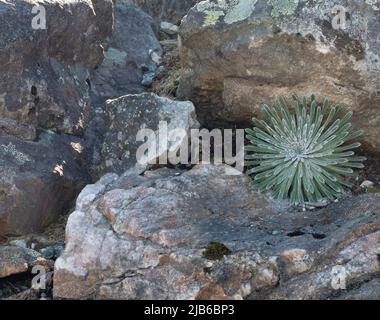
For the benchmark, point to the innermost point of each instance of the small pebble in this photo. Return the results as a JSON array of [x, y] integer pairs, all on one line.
[[367, 184], [169, 28], [21, 243]]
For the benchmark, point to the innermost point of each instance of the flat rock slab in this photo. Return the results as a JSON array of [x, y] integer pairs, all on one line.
[[203, 234]]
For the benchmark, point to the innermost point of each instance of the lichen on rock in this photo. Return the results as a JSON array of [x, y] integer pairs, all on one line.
[[375, 4], [10, 149], [283, 7], [212, 17], [240, 10]]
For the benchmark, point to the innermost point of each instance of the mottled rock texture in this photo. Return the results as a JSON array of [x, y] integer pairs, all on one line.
[[129, 114], [45, 105], [44, 71], [15, 260], [202, 234], [132, 52], [239, 54], [167, 10], [38, 182], [131, 59]]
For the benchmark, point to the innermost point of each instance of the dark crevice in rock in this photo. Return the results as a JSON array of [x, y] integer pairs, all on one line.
[[318, 236], [296, 233]]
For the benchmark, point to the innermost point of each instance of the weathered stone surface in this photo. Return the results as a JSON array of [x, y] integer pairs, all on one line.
[[170, 10], [38, 181], [133, 51], [168, 28], [44, 85], [367, 291], [127, 115], [43, 80], [239, 54], [130, 65], [14, 260], [156, 237]]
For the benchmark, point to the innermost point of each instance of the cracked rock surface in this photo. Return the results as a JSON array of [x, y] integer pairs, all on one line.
[[238, 54], [203, 234]]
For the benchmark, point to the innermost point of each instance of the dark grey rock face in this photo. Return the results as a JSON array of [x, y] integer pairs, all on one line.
[[45, 106], [204, 234], [44, 72], [237, 55], [38, 182], [167, 10], [133, 51], [130, 65]]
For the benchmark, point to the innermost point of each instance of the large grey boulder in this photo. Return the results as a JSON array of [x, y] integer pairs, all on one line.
[[44, 104], [129, 114], [132, 55], [167, 10], [238, 54], [44, 72], [203, 234], [39, 181]]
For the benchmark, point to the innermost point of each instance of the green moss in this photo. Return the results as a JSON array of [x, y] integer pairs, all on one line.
[[216, 251], [283, 7], [373, 190]]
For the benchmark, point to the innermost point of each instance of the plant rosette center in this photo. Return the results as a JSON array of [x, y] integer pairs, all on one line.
[[302, 152]]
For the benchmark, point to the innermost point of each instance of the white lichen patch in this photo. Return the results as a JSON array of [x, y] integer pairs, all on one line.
[[283, 7], [241, 10], [10, 149], [2, 99], [375, 4], [232, 10], [213, 11], [212, 17]]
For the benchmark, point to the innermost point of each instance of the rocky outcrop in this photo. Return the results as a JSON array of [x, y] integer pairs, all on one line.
[[167, 10], [130, 66], [38, 181], [131, 58], [128, 115], [203, 234], [239, 54], [24, 273], [44, 74], [15, 260], [45, 105]]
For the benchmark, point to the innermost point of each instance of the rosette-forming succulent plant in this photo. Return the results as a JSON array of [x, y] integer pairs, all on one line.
[[303, 151]]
